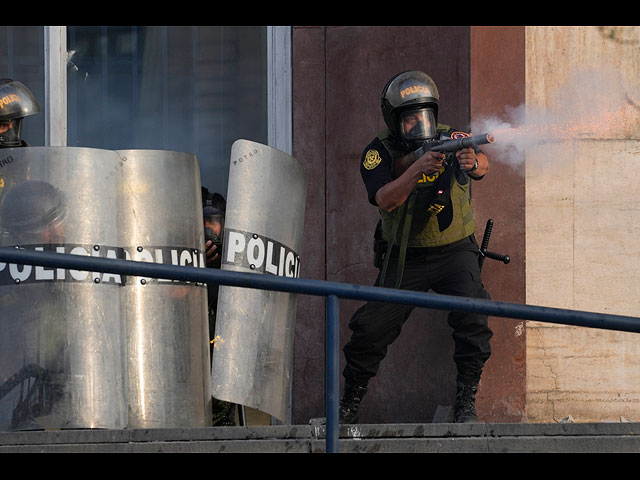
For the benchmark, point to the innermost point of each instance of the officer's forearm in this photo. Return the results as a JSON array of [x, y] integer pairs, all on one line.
[[395, 193], [483, 165]]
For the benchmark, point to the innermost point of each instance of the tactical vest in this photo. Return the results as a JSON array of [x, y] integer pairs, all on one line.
[[426, 229]]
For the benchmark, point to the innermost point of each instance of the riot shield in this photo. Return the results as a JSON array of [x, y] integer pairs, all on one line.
[[62, 335], [90, 350], [168, 332], [253, 342]]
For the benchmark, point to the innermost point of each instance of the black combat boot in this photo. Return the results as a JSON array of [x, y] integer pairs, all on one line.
[[465, 407], [350, 402]]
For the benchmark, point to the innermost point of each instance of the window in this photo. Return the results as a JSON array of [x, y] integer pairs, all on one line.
[[182, 88], [22, 58], [185, 88]]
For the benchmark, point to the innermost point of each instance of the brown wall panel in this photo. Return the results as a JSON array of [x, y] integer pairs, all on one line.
[[309, 148]]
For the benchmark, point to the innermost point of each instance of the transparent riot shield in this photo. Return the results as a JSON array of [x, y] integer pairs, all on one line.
[[62, 335], [253, 342], [168, 333]]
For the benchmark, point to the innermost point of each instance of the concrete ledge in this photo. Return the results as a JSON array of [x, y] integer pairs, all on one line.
[[390, 438]]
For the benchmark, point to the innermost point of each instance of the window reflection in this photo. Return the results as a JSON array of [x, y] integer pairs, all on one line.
[[183, 88]]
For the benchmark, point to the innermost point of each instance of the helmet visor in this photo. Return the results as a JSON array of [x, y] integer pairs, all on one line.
[[10, 132], [416, 125]]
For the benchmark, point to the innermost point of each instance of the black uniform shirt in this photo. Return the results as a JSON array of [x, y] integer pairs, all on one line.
[[376, 168]]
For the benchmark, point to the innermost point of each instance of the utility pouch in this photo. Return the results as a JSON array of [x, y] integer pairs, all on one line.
[[379, 247]]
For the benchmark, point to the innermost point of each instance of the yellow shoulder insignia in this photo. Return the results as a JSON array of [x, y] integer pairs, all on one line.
[[371, 159]]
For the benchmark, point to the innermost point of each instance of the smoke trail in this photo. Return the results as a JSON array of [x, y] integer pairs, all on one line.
[[592, 104]]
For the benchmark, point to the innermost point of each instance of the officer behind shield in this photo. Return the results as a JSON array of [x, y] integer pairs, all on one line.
[[213, 212], [429, 193], [32, 213], [16, 102]]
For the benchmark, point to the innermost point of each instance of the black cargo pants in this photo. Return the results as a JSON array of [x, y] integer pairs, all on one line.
[[449, 270]]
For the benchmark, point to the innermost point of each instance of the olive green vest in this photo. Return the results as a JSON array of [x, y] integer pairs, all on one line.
[[429, 235]]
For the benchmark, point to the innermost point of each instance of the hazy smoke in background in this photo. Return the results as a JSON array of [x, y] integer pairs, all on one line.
[[594, 103]]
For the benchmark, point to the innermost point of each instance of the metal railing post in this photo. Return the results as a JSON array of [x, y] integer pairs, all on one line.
[[332, 373]]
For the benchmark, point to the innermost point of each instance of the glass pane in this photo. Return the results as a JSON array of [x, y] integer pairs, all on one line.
[[22, 59], [182, 88]]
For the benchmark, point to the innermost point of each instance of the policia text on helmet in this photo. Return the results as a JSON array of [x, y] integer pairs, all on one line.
[[16, 102]]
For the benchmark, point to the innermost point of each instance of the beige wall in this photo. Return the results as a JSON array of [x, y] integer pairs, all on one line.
[[583, 221]]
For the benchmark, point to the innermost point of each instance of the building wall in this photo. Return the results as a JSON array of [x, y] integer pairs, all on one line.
[[309, 127], [582, 216]]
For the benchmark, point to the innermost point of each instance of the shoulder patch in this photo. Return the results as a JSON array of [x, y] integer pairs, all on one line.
[[371, 159], [457, 135]]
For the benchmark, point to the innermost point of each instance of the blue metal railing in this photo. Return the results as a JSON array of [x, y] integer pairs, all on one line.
[[333, 291]]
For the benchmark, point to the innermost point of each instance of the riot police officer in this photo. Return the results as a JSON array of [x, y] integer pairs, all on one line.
[[213, 211], [16, 102], [427, 219]]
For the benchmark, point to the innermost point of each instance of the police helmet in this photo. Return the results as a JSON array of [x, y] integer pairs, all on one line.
[[16, 102], [30, 207], [409, 103]]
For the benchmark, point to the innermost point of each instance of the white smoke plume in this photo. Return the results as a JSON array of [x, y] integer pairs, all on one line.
[[593, 103]]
